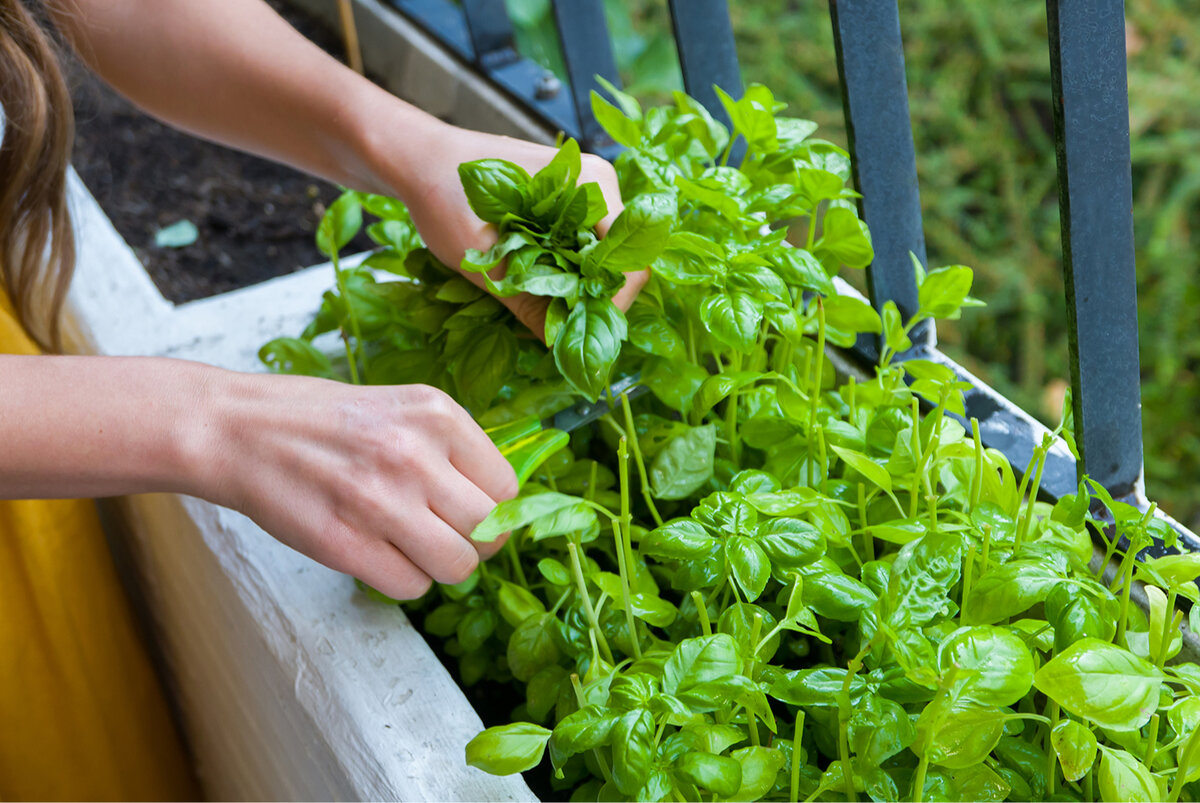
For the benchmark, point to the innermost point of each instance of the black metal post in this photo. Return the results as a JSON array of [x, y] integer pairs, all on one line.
[[1091, 117], [870, 58], [587, 51], [491, 32], [707, 52]]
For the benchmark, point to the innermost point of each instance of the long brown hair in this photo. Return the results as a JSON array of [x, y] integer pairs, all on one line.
[[37, 243]]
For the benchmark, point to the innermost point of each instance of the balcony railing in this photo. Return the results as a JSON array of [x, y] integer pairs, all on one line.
[[1091, 123]]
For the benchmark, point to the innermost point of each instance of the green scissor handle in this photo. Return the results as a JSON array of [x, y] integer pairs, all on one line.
[[526, 444]]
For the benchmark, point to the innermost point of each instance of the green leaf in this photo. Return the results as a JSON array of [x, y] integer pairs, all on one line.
[[733, 318], [760, 766], [957, 734], [750, 565], [685, 465], [532, 647], [720, 775], [517, 603], [622, 129], [846, 317], [340, 223], [589, 344], [681, 539], [1122, 777], [508, 749], [494, 188], [994, 666], [944, 290], [921, 578], [585, 729], [514, 513], [1102, 683], [1010, 589], [864, 465], [790, 543], [289, 355], [488, 362], [638, 235], [799, 268], [1075, 746], [845, 238], [632, 750], [699, 660]]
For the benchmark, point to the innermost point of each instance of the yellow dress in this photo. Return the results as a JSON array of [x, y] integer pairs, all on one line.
[[82, 714]]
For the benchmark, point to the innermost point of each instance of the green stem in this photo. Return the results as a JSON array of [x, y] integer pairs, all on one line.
[[1127, 562], [702, 612], [1039, 457], [580, 700], [356, 354], [968, 578], [1152, 743], [631, 433], [844, 714], [915, 483], [1186, 754], [868, 539], [794, 795], [816, 368], [515, 558], [1051, 759], [987, 548], [589, 611], [1168, 626], [977, 477]]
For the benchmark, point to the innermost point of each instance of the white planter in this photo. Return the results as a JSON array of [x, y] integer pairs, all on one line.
[[291, 684]]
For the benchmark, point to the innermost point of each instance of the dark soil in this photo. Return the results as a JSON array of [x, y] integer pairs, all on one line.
[[256, 219]]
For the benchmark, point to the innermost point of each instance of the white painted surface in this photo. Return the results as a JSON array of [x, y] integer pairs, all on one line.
[[292, 685]]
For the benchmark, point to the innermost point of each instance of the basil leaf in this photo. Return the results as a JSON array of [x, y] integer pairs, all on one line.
[[685, 465], [514, 513], [494, 188], [1102, 683], [508, 749], [638, 235], [733, 318], [1075, 746], [588, 344]]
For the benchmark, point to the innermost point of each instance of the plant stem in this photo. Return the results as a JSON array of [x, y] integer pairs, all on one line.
[[844, 714], [987, 548], [352, 356], [968, 577], [1127, 562], [1186, 754], [589, 611], [868, 539], [515, 558], [1051, 757], [794, 795], [1152, 743], [702, 612], [915, 446], [816, 368], [977, 477], [631, 433], [1039, 457], [1168, 627]]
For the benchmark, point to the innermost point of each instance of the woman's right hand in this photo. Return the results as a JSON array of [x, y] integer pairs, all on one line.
[[382, 483]]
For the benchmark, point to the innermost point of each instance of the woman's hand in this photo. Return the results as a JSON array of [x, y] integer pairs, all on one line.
[[435, 198], [382, 483]]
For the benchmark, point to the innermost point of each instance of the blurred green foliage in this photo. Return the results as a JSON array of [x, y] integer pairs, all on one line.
[[979, 92]]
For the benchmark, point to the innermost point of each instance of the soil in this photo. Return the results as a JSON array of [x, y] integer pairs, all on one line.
[[255, 218]]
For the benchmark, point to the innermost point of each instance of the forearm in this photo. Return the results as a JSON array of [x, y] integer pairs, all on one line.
[[102, 426], [234, 72]]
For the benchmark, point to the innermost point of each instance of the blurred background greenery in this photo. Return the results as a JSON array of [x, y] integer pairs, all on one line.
[[979, 91]]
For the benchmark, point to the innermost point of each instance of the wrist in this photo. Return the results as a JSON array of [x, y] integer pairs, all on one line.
[[396, 144], [202, 462]]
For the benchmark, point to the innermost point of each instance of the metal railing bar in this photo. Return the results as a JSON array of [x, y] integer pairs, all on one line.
[[491, 32], [443, 20], [870, 58], [587, 52], [523, 79], [707, 52], [1091, 116]]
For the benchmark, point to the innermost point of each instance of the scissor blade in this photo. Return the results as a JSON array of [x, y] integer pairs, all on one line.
[[584, 412]]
